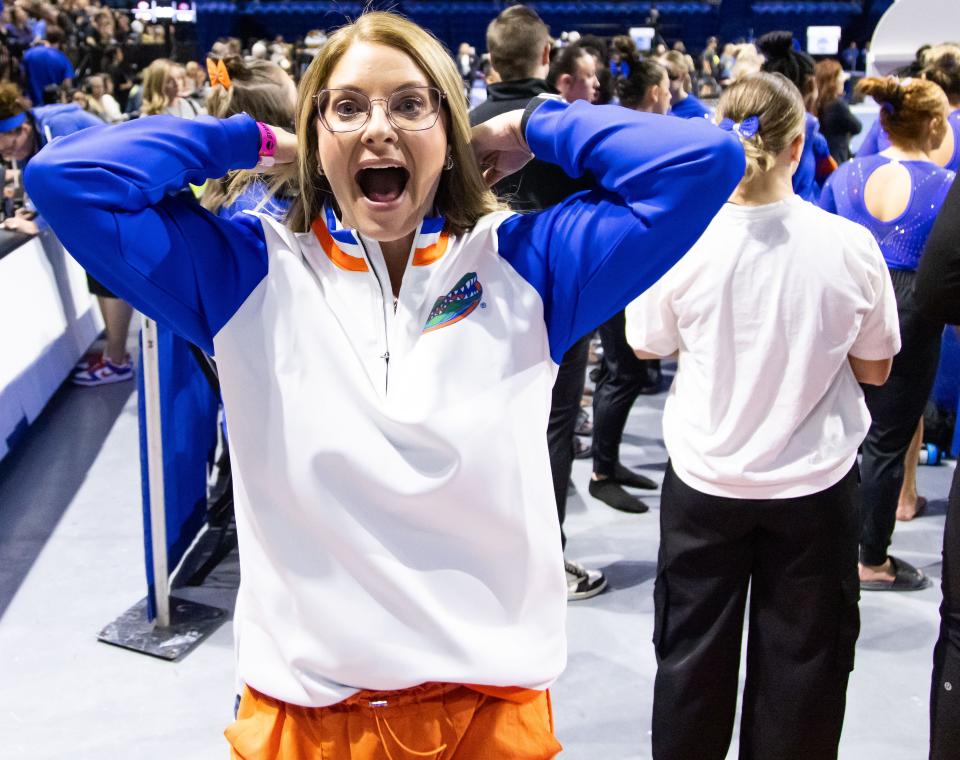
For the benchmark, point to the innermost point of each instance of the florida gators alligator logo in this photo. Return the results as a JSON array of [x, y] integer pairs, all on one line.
[[457, 304]]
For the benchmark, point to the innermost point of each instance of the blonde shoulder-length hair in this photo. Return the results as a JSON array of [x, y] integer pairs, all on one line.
[[154, 79], [462, 196]]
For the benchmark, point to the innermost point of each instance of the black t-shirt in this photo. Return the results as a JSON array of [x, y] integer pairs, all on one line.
[[838, 124]]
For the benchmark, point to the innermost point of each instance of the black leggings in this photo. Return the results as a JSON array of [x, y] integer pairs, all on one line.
[[622, 378], [565, 406], [896, 408]]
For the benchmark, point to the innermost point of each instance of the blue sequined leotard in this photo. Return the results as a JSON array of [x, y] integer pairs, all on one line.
[[902, 238]]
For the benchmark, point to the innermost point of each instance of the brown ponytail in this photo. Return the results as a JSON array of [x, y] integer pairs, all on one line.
[[909, 109]]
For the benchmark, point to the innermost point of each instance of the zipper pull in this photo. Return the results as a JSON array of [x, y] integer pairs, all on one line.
[[386, 356]]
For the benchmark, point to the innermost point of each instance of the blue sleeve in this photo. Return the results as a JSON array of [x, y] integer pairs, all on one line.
[[105, 192], [68, 72], [660, 184], [870, 145], [821, 149], [828, 201]]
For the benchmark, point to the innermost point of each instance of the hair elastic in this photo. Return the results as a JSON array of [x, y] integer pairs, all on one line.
[[13, 122], [745, 129]]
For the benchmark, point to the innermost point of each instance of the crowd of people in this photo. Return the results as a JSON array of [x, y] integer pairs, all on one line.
[[708, 211]]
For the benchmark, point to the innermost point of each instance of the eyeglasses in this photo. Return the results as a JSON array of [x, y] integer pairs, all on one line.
[[411, 108]]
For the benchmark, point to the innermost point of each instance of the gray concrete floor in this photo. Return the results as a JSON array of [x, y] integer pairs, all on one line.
[[71, 560]]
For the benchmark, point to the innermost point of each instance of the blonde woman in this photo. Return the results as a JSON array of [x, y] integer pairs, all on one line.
[[100, 102], [386, 357], [760, 491], [162, 86]]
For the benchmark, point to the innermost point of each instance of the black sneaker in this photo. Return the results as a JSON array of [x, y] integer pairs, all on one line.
[[582, 583], [612, 494]]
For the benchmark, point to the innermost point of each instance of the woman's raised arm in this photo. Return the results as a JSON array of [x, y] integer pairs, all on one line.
[[108, 194], [660, 180]]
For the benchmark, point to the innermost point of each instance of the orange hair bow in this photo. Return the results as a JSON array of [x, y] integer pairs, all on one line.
[[218, 74]]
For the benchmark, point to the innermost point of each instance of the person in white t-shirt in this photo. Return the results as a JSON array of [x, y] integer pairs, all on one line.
[[776, 314]]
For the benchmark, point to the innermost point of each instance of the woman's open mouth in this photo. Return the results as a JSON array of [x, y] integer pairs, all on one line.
[[382, 184]]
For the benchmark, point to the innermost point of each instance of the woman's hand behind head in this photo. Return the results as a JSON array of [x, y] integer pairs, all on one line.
[[499, 146]]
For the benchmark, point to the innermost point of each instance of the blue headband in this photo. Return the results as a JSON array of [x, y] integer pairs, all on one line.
[[11, 123], [743, 129]]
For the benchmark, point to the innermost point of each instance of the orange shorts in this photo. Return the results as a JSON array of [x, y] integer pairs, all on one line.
[[435, 721]]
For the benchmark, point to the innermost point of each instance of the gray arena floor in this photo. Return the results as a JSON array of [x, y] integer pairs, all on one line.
[[71, 560]]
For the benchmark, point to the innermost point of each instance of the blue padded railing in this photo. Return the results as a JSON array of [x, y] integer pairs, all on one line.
[[812, 7]]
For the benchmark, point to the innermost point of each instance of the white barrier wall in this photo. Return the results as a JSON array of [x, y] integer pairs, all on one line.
[[906, 26], [47, 321]]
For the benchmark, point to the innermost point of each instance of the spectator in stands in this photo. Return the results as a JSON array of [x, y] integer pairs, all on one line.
[[188, 82], [837, 122], [19, 35], [519, 45], [23, 132], [100, 102], [896, 194], [119, 75], [816, 164], [937, 296], [573, 73], [682, 103], [162, 85], [647, 88], [101, 35], [395, 526], [45, 64], [762, 430]]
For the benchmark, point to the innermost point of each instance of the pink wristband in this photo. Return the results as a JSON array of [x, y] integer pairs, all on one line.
[[268, 144]]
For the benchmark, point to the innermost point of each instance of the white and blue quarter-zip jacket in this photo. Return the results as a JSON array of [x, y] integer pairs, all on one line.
[[394, 504]]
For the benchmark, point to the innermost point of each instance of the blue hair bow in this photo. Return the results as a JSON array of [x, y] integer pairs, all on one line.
[[745, 129]]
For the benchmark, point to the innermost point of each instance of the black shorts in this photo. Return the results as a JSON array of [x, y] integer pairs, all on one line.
[[98, 289]]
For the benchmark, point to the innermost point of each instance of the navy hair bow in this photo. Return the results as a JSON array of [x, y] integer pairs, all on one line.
[[745, 129]]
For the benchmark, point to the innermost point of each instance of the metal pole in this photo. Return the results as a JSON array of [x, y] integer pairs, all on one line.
[[158, 521]]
